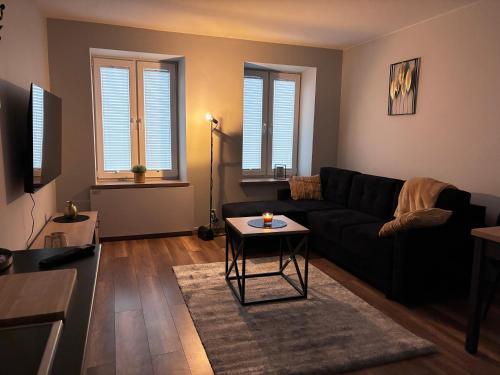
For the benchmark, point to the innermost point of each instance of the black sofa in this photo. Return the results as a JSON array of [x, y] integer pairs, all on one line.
[[412, 266]]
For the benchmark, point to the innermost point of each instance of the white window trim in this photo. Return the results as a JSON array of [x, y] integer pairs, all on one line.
[[267, 169], [136, 123]]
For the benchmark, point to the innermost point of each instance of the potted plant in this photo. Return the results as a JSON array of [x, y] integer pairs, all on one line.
[[139, 173]]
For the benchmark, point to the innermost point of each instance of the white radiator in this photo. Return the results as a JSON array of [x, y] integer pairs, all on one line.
[[142, 211]]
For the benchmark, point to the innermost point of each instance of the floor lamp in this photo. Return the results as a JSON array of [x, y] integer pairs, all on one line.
[[204, 232]]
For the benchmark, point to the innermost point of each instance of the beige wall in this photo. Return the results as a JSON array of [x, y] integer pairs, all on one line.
[[455, 134], [23, 59], [213, 73]]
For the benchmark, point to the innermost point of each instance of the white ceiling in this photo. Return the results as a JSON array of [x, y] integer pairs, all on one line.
[[319, 23]]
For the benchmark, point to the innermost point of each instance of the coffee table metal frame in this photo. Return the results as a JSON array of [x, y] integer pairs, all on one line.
[[238, 251]]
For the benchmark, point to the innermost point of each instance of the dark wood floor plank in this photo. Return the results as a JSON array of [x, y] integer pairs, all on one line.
[[100, 348], [200, 256], [141, 258], [191, 243], [191, 343], [168, 282], [161, 331], [108, 369], [132, 349], [120, 249], [158, 248], [174, 363], [126, 289], [177, 251], [202, 251], [106, 261]]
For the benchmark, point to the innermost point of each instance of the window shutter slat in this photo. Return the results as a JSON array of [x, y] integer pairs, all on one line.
[[157, 119], [38, 114], [115, 98], [253, 91], [283, 123]]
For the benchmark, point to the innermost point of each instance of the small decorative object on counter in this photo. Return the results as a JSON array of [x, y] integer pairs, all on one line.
[[70, 211], [139, 173], [56, 240], [280, 172], [268, 219]]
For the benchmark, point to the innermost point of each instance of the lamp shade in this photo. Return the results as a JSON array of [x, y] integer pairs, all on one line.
[[209, 117]]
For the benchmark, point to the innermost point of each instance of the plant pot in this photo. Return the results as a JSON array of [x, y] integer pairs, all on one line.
[[140, 178]]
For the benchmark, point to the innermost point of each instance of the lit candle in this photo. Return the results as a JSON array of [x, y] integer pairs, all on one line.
[[268, 219]]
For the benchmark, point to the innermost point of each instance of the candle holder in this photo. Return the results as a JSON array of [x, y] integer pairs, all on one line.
[[267, 217]]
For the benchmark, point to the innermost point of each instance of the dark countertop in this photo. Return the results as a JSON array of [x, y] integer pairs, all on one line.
[[71, 348]]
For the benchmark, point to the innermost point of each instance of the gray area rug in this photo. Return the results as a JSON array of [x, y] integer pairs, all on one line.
[[332, 331]]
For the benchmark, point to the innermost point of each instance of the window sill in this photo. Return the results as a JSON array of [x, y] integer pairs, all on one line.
[[150, 183], [261, 181]]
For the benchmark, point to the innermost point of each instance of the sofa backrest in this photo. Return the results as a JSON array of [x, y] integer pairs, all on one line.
[[454, 199], [457, 201], [374, 195], [336, 184]]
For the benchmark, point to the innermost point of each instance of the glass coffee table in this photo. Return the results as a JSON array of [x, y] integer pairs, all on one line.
[[294, 235]]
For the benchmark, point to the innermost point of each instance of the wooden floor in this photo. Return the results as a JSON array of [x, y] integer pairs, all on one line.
[[141, 325]]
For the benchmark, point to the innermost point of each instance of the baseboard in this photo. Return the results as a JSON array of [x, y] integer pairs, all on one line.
[[145, 236]]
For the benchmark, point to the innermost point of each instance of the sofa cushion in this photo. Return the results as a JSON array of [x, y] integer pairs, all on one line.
[[371, 255], [453, 199], [305, 187], [335, 184], [330, 223], [428, 217], [363, 238], [373, 195]]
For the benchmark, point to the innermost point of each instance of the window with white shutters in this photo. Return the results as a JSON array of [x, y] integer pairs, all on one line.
[[135, 116], [270, 122]]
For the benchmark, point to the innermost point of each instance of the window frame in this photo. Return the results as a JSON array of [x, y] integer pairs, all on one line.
[[269, 77], [264, 75], [277, 76], [137, 135], [141, 65]]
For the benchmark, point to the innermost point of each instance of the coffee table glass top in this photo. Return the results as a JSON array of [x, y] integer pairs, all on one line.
[[240, 225]]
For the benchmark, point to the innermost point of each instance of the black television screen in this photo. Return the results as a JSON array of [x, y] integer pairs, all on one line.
[[44, 134]]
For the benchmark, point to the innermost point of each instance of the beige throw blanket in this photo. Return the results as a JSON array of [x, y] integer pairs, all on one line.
[[416, 206], [419, 193]]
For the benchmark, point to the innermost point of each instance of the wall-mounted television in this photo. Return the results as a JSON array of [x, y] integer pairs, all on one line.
[[44, 136]]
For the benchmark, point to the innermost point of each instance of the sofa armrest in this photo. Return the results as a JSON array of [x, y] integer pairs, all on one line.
[[430, 261], [284, 194]]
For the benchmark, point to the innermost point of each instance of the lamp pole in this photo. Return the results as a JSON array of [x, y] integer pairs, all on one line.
[[204, 232], [211, 170]]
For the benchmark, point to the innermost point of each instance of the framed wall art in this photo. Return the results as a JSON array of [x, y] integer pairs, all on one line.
[[403, 87]]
